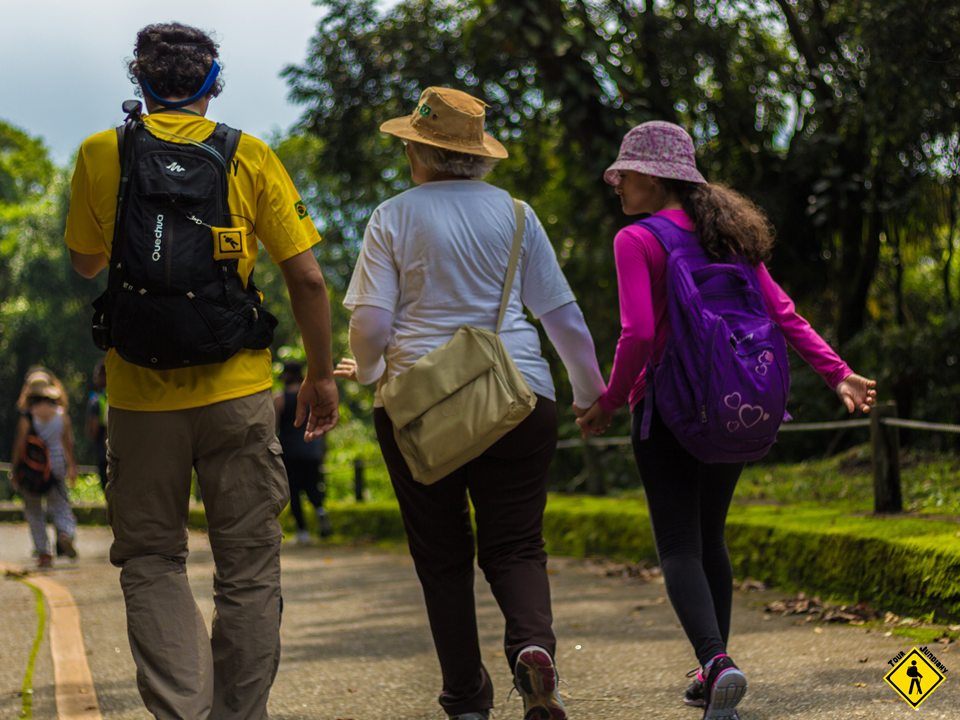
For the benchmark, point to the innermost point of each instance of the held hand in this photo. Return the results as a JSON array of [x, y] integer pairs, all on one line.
[[594, 421], [579, 411], [346, 370], [857, 393], [319, 404]]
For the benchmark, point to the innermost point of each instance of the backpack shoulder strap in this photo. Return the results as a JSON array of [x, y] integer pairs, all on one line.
[[29, 417], [670, 235], [233, 141], [514, 258]]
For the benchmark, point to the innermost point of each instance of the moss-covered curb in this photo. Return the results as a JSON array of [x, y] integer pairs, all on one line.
[[909, 565]]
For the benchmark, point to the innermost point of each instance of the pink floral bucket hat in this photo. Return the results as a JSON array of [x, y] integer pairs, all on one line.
[[657, 148]]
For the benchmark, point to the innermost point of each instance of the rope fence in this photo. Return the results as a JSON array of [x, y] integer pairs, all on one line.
[[884, 439]]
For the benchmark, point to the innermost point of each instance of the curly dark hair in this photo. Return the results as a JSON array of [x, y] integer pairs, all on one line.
[[175, 59], [727, 222]]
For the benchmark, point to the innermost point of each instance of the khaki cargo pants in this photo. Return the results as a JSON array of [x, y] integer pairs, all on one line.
[[182, 673]]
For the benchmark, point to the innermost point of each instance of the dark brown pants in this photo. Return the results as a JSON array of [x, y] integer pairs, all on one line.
[[508, 488]]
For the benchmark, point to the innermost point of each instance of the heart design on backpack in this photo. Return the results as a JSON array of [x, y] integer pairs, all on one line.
[[762, 369], [732, 426], [733, 400], [766, 357], [750, 415]]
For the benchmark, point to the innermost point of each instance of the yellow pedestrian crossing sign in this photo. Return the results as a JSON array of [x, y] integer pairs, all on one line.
[[914, 677]]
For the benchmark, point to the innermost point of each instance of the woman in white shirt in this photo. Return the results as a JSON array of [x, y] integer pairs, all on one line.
[[435, 258]]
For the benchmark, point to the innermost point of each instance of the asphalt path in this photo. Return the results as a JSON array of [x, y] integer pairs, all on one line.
[[356, 644]]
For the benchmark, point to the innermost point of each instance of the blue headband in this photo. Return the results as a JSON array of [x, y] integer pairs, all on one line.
[[207, 84]]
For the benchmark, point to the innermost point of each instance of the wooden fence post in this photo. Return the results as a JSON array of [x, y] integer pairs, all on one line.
[[885, 446], [358, 479]]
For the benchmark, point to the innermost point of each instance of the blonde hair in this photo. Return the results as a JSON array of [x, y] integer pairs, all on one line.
[[450, 161], [26, 401]]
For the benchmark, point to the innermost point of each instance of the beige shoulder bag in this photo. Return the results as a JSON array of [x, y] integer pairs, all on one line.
[[460, 398]]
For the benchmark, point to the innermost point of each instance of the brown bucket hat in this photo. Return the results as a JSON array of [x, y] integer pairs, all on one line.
[[448, 119]]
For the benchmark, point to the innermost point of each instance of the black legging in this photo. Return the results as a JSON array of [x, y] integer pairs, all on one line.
[[304, 475], [688, 502]]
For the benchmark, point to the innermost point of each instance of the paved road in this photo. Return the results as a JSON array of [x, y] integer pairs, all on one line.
[[356, 645]]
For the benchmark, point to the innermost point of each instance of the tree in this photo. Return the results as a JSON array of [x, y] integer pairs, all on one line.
[[44, 305], [879, 114]]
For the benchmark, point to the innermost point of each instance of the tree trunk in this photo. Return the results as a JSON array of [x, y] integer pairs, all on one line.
[[860, 257], [950, 200]]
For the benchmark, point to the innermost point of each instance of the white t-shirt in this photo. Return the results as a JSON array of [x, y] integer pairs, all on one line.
[[436, 256]]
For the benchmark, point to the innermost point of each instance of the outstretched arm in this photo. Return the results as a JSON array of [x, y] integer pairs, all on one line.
[[318, 402], [568, 332], [370, 329], [857, 393]]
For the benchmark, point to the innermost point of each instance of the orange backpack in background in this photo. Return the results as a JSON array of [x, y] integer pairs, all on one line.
[[32, 471]]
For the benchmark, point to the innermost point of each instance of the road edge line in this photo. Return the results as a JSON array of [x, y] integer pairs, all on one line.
[[76, 695]]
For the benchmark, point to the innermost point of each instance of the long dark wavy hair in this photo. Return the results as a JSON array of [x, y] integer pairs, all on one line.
[[175, 59], [727, 222]]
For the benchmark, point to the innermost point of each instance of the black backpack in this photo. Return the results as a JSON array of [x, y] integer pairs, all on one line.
[[32, 471], [174, 295]]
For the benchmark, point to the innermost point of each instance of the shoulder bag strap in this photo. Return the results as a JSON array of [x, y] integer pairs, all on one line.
[[514, 259]]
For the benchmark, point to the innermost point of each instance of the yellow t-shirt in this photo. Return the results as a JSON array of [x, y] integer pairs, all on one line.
[[260, 190]]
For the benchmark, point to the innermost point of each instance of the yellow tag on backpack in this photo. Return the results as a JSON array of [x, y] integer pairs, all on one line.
[[229, 243]]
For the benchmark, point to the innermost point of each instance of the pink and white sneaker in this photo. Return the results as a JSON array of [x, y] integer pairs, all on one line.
[[535, 678], [725, 686]]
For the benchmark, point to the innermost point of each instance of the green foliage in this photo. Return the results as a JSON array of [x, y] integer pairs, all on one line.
[[930, 482], [25, 168], [44, 304], [789, 102], [373, 520], [909, 566]]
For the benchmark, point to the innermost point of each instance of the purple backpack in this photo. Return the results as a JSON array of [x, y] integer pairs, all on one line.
[[722, 384]]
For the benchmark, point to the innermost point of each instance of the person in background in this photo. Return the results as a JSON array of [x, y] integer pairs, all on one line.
[[44, 403], [656, 174], [97, 419], [301, 459], [433, 259]]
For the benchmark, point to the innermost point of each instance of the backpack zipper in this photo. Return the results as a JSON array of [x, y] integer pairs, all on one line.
[[169, 254], [706, 381]]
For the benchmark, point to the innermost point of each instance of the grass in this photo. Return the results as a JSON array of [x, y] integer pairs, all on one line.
[[930, 482]]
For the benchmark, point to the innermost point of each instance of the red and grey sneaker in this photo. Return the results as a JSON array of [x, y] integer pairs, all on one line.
[[725, 687], [535, 678], [696, 693]]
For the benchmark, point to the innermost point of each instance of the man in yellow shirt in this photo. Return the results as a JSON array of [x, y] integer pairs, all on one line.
[[215, 418]]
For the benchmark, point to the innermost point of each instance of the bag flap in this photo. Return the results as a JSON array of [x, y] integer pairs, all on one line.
[[438, 374]]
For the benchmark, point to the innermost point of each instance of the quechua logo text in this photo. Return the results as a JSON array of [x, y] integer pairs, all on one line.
[[157, 239]]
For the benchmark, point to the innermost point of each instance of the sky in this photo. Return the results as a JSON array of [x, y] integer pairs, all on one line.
[[63, 62]]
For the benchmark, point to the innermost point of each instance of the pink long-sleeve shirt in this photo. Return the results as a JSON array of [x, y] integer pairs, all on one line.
[[642, 280]]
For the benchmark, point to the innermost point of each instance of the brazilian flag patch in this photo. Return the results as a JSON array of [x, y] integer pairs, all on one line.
[[300, 208]]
